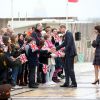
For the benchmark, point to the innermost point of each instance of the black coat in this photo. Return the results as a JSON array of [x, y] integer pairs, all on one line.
[[20, 42], [43, 58], [96, 44], [37, 37], [33, 58], [69, 45], [4, 62]]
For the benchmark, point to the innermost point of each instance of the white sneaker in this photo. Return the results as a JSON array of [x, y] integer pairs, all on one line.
[[47, 83], [17, 87], [52, 83]]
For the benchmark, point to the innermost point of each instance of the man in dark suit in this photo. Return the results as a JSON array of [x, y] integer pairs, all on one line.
[[70, 53]]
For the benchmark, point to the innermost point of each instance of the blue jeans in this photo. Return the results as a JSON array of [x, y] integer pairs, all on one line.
[[50, 73], [16, 70]]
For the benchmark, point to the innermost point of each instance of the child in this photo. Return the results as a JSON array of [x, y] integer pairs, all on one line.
[[51, 61], [33, 61]]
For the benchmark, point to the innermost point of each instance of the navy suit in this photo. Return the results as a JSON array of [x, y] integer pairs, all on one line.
[[70, 52]]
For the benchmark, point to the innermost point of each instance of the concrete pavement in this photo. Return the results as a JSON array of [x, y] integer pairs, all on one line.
[[84, 91]]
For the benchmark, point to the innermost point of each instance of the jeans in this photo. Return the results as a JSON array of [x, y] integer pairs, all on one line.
[[50, 73], [16, 70]]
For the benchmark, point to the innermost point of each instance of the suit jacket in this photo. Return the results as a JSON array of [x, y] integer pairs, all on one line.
[[69, 45]]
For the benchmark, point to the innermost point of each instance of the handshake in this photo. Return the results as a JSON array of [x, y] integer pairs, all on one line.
[[52, 50]]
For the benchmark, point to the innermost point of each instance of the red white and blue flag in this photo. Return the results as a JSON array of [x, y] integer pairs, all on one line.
[[34, 47], [73, 1], [45, 68], [23, 58]]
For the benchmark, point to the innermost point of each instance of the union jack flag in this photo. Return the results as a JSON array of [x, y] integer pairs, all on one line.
[[45, 68], [58, 53], [23, 58], [34, 47]]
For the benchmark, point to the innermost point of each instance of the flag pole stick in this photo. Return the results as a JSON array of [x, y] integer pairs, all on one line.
[[12, 19], [66, 14]]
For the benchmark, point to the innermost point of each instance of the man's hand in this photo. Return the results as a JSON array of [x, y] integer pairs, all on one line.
[[53, 50]]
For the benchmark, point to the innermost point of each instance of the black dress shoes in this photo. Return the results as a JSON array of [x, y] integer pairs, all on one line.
[[37, 84], [33, 86], [73, 86], [64, 85]]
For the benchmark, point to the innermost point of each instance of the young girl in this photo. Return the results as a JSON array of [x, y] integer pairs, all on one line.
[[51, 61], [43, 60]]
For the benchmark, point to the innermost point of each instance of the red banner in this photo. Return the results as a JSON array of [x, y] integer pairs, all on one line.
[[73, 1]]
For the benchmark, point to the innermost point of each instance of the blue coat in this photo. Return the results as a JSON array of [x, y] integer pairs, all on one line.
[[69, 45]]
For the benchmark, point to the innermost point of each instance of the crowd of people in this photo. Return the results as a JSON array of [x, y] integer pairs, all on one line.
[[30, 58], [36, 57]]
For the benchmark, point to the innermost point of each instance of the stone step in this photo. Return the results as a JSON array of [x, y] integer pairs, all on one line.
[[51, 98]]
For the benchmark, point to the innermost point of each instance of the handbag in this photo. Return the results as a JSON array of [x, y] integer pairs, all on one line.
[[5, 91]]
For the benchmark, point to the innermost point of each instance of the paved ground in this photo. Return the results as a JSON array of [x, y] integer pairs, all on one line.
[[85, 90]]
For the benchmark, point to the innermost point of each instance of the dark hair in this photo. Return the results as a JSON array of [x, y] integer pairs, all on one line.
[[41, 43], [97, 28], [29, 39], [24, 35], [46, 37], [5, 39], [54, 29], [47, 27], [13, 38], [33, 27], [26, 38], [19, 34], [37, 25], [62, 26]]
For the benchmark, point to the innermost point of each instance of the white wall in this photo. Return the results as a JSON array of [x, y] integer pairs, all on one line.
[[50, 8]]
